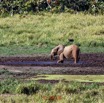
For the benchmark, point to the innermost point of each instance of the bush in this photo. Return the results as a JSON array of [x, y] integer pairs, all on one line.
[[97, 8], [24, 6], [17, 6], [28, 89]]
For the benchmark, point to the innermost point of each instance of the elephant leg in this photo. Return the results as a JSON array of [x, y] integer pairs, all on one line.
[[75, 56], [75, 60], [61, 58]]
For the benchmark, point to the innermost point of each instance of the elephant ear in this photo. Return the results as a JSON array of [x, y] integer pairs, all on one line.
[[61, 49], [55, 51]]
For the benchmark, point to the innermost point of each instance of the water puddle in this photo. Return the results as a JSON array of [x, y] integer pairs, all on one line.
[[40, 63]]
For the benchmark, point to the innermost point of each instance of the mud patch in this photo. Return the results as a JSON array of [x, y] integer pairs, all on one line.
[[86, 60], [89, 64]]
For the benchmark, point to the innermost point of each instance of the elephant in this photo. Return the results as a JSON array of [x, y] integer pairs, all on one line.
[[70, 51], [57, 51]]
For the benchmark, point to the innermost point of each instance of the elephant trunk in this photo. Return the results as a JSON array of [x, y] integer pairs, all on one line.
[[52, 57]]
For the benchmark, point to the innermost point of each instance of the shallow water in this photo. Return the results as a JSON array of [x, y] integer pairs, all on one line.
[[39, 63]]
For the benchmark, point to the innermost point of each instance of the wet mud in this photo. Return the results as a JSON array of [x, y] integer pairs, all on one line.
[[86, 60], [30, 66]]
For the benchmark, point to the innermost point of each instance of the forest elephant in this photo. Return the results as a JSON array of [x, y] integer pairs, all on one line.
[[68, 52], [57, 51]]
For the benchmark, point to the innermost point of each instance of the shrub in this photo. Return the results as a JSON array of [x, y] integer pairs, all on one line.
[[97, 8], [28, 89], [22, 6]]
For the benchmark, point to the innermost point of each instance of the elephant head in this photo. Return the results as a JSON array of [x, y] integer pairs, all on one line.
[[56, 51]]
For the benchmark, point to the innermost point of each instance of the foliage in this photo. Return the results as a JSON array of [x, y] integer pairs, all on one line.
[[14, 86], [17, 6], [29, 88], [24, 6], [61, 92], [97, 8]]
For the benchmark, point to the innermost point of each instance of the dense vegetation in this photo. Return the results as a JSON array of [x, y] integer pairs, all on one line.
[[25, 6], [32, 92]]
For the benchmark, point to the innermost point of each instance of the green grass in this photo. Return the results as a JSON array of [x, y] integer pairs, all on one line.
[[45, 30], [31, 86], [77, 78], [58, 93], [31, 50], [23, 50]]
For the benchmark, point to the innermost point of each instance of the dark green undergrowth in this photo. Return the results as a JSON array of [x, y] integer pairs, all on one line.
[[12, 7], [62, 92], [14, 86]]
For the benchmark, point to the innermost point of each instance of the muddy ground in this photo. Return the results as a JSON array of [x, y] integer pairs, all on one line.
[[86, 60], [28, 66]]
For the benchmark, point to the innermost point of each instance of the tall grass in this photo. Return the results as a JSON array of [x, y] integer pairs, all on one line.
[[51, 29], [47, 29]]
